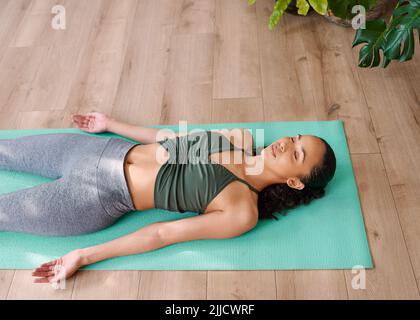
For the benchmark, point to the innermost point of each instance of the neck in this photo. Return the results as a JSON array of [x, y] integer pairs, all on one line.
[[256, 174]]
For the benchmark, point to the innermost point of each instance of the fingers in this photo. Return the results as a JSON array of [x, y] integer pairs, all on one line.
[[50, 263], [43, 274], [47, 272], [42, 280], [80, 118], [82, 124], [44, 269], [83, 121]]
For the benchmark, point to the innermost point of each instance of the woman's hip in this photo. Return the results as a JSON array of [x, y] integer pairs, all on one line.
[[111, 181]]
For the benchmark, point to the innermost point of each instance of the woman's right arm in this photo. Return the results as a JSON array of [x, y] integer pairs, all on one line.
[[241, 137], [137, 133], [97, 122]]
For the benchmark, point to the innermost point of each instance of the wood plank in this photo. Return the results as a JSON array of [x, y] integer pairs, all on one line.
[[237, 110], [188, 89], [18, 68], [311, 284], [392, 276], [11, 15], [410, 69], [172, 285], [23, 288], [241, 285], [95, 84], [393, 103], [142, 81], [53, 83], [37, 19], [36, 30], [399, 81], [4, 4], [283, 98], [316, 64], [196, 16], [39, 119], [105, 285], [333, 73], [8, 119], [6, 277], [236, 61]]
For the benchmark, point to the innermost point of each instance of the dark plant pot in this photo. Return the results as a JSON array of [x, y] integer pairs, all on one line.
[[378, 10], [292, 8]]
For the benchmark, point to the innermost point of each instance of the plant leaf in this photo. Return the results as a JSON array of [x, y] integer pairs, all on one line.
[[251, 2], [400, 39], [374, 36], [278, 11], [319, 6], [303, 7]]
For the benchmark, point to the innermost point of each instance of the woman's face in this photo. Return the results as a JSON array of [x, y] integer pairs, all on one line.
[[292, 157]]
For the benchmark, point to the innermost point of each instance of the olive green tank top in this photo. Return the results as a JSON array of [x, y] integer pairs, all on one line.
[[189, 180]]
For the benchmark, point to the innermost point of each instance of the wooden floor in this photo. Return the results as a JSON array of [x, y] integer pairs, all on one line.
[[206, 61]]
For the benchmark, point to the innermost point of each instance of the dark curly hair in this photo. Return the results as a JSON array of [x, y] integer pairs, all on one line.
[[276, 198]]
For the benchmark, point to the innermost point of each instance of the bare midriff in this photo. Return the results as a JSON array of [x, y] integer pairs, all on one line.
[[141, 167]]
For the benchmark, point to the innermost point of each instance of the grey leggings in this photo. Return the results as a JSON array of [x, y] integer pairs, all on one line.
[[89, 191]]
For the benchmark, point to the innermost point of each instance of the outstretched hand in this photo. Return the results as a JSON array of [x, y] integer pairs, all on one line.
[[93, 122], [58, 269]]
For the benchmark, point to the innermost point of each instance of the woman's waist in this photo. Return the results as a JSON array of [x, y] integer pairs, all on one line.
[[111, 182], [140, 177]]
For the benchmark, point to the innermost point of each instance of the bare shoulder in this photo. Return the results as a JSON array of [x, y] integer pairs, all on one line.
[[239, 205], [244, 212]]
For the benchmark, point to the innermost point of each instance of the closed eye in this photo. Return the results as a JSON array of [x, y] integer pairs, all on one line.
[[293, 141]]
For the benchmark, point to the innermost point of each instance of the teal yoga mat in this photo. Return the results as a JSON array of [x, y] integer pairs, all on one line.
[[328, 233]]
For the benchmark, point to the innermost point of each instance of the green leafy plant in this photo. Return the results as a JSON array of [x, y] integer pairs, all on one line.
[[395, 40], [280, 7]]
